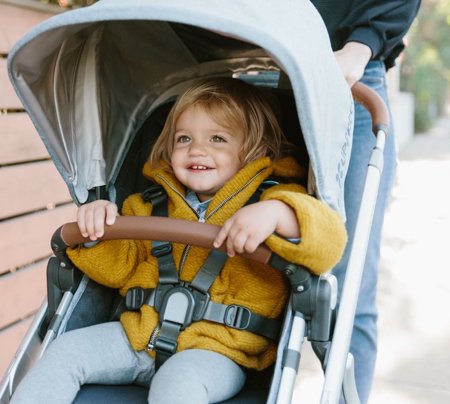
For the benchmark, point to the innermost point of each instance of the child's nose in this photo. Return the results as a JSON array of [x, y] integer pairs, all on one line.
[[197, 148]]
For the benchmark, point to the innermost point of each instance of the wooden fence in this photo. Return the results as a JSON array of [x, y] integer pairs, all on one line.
[[34, 199]]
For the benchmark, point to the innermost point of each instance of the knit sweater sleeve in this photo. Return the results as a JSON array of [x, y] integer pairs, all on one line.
[[112, 263], [322, 231]]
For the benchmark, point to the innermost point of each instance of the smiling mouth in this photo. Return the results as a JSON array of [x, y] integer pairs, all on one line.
[[198, 167]]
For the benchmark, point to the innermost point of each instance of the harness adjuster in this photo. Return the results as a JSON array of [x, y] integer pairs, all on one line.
[[165, 345], [237, 317], [202, 300], [161, 250], [153, 192], [135, 298]]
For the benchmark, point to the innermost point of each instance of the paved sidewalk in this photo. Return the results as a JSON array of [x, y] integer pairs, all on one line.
[[414, 289]]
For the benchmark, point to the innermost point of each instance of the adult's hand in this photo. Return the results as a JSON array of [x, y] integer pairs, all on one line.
[[353, 59]]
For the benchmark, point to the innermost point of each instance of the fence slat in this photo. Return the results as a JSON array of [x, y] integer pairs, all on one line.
[[20, 141], [27, 239], [30, 187], [22, 293], [15, 21], [8, 97]]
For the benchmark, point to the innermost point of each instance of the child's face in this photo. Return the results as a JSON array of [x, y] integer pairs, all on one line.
[[205, 155]]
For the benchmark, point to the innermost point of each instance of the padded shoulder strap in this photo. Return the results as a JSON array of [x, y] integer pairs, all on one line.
[[267, 183], [157, 196], [162, 250]]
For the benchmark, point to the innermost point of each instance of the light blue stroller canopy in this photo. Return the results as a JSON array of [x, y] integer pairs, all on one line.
[[90, 77]]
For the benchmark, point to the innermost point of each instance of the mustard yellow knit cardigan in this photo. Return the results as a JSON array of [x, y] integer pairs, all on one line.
[[124, 264]]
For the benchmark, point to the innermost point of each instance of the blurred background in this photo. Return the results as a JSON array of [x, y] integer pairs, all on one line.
[[414, 363]]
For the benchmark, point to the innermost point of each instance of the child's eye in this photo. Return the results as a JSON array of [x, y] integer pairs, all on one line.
[[218, 139], [183, 139]]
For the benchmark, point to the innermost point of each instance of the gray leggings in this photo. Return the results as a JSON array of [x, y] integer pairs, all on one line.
[[101, 354]]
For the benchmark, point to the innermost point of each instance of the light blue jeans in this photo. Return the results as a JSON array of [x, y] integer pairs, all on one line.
[[364, 339], [101, 354]]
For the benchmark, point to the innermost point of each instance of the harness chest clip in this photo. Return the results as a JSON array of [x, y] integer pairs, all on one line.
[[178, 306]]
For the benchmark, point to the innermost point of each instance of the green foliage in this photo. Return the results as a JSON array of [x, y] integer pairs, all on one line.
[[426, 65]]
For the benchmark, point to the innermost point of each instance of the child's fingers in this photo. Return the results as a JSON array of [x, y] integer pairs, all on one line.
[[89, 223], [238, 241], [221, 236], [98, 221], [251, 245], [81, 221], [235, 241], [230, 247], [92, 216], [111, 213]]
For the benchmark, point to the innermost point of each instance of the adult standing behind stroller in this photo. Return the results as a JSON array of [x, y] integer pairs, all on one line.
[[220, 142], [367, 37]]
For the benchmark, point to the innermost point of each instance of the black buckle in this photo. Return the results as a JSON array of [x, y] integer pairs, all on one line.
[[152, 192], [135, 298], [161, 291], [165, 345], [201, 303], [237, 317], [162, 250]]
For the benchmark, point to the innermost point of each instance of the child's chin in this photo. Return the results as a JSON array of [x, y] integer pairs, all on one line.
[[205, 189], [206, 193]]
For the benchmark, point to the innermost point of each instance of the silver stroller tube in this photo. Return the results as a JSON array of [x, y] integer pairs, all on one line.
[[339, 370]]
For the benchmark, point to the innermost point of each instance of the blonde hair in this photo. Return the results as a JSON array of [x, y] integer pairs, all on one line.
[[233, 104]]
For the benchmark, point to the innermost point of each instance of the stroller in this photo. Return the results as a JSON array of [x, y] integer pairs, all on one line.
[[97, 81]]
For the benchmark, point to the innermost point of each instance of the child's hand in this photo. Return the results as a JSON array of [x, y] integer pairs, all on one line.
[[253, 224], [92, 217]]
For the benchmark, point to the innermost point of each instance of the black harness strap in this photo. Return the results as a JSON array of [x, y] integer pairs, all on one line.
[[162, 250], [209, 271], [192, 300], [262, 187], [241, 318]]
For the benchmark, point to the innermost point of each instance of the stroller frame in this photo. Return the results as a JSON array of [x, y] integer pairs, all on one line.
[[312, 307]]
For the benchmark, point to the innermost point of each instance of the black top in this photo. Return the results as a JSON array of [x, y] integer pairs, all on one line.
[[378, 24]]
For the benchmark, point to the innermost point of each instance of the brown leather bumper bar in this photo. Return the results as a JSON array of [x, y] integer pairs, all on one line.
[[158, 228], [374, 104]]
